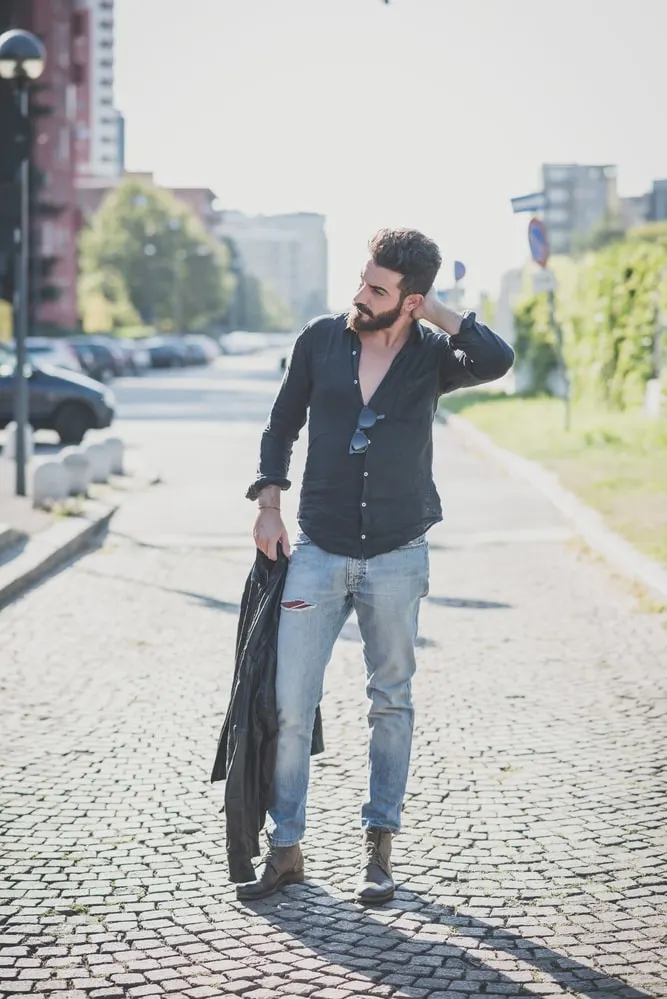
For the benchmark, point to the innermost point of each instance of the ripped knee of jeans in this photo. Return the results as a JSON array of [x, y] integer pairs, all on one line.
[[296, 605]]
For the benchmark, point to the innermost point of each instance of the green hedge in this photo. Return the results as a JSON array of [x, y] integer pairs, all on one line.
[[609, 314]]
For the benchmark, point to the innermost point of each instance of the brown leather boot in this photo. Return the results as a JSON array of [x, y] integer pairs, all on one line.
[[376, 884], [281, 865]]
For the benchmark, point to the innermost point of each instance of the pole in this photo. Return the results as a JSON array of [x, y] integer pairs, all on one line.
[[558, 334], [21, 237]]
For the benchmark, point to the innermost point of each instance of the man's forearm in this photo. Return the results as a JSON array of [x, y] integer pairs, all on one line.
[[446, 320], [269, 498]]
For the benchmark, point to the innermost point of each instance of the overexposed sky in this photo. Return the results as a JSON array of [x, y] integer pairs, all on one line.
[[428, 113]]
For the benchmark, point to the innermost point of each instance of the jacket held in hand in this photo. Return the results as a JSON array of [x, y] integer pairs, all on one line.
[[246, 752]]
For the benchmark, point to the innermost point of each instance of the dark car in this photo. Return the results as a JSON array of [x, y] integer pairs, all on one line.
[[96, 359], [166, 352], [59, 400]]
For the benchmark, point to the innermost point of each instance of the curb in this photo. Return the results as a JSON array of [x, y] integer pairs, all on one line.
[[588, 523], [53, 547]]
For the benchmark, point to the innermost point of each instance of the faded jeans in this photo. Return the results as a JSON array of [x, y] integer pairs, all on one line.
[[320, 592]]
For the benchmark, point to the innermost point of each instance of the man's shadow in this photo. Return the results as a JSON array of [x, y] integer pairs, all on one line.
[[418, 962]]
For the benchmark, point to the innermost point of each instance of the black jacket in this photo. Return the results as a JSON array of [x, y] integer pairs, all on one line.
[[246, 753]]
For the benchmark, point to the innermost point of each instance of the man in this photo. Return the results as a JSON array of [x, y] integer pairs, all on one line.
[[371, 380]]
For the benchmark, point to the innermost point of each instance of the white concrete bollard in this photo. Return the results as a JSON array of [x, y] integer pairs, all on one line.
[[100, 462], [79, 470], [116, 449], [50, 482], [9, 450]]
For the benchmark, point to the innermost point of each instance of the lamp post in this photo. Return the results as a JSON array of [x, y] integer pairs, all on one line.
[[22, 58]]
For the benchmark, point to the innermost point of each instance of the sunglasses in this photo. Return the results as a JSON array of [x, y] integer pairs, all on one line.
[[367, 419]]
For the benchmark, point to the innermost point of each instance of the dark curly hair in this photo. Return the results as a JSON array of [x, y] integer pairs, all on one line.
[[410, 253]]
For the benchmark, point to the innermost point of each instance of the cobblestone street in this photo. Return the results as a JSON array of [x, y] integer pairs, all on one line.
[[533, 859]]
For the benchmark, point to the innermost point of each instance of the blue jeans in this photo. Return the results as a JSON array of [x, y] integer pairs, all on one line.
[[320, 592]]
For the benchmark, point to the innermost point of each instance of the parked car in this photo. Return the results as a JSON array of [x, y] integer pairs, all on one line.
[[53, 351], [204, 345], [65, 401], [137, 358], [166, 352], [96, 359]]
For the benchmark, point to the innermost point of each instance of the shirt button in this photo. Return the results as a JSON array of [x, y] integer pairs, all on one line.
[[363, 504], [354, 353], [366, 475], [363, 537], [356, 382]]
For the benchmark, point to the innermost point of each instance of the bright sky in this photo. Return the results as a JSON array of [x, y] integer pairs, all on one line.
[[427, 113]]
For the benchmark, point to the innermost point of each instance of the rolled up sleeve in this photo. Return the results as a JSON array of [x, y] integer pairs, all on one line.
[[474, 356], [288, 415]]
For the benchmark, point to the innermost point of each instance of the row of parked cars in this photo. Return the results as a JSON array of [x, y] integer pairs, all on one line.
[[68, 378], [104, 358]]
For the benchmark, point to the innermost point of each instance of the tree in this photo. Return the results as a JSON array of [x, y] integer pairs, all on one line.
[[104, 302], [172, 273]]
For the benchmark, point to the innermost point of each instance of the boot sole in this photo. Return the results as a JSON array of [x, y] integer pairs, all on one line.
[[376, 899], [283, 881]]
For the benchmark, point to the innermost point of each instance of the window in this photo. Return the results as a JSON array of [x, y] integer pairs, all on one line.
[[558, 195], [556, 215], [556, 174]]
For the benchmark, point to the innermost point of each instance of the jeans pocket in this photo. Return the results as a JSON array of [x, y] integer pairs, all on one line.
[[301, 540], [419, 542]]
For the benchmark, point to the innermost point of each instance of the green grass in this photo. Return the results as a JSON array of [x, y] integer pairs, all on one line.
[[615, 462]]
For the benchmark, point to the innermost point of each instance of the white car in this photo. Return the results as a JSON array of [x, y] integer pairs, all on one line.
[[51, 350]]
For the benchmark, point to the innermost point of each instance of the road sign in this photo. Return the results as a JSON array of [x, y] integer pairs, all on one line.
[[530, 203], [459, 270], [544, 280], [539, 244]]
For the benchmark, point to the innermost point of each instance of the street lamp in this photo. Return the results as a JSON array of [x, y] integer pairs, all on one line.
[[22, 58]]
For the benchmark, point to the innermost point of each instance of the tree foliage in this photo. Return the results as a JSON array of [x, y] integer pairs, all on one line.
[[609, 307], [148, 253]]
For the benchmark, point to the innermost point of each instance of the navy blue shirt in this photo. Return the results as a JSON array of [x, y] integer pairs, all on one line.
[[361, 505]]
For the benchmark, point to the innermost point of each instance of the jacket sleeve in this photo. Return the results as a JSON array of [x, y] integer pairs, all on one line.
[[474, 356], [286, 420]]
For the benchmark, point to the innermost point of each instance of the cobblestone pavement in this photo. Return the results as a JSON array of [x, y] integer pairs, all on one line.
[[533, 859]]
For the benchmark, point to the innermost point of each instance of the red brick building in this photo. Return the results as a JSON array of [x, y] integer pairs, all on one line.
[[56, 236]]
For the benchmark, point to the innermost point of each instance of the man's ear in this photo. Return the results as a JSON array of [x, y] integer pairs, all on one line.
[[413, 302]]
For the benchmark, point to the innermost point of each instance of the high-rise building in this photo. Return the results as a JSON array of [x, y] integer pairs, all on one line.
[[287, 253], [99, 149], [579, 198]]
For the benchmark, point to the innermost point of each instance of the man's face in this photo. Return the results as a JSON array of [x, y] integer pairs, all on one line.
[[379, 301]]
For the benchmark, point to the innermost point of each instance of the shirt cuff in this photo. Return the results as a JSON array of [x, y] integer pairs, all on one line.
[[262, 482]]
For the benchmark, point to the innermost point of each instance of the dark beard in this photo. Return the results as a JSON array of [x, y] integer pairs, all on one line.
[[360, 322]]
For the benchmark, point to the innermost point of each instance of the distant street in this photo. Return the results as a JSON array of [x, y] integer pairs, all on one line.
[[532, 860]]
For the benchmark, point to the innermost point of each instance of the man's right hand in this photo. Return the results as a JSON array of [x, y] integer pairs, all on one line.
[[268, 531]]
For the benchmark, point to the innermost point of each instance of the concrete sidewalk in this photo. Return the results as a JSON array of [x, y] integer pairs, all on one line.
[[533, 857]]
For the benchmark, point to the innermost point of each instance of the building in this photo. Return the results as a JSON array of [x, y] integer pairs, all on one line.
[[91, 191], [578, 200], [54, 225], [287, 253], [634, 211], [99, 145], [658, 202], [80, 136]]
